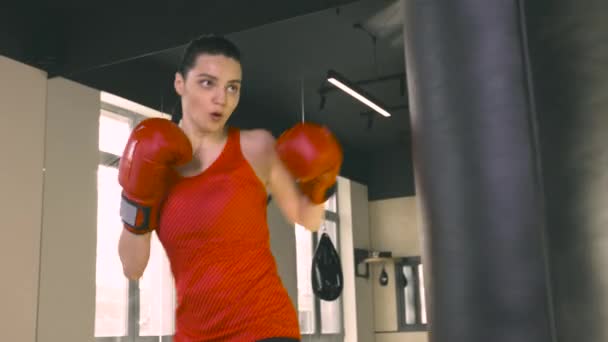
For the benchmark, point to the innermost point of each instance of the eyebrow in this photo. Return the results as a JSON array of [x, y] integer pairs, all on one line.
[[215, 78]]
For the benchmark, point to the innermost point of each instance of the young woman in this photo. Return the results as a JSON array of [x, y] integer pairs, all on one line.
[[202, 186]]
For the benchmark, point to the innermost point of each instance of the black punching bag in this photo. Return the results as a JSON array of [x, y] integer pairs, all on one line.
[[476, 169], [327, 279], [569, 54]]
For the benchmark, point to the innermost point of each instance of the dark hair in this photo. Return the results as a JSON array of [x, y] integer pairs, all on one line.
[[210, 44]]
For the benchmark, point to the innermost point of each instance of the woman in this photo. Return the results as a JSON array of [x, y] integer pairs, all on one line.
[[203, 187]]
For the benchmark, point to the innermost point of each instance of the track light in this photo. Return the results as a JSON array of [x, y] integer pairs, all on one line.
[[345, 85]]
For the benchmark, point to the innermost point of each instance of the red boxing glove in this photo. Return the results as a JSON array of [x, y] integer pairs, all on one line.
[[313, 156], [153, 149]]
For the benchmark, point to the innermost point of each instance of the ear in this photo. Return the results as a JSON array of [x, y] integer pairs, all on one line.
[[179, 84]]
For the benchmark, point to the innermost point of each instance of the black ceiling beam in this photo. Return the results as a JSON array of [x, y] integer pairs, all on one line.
[[132, 80], [97, 40], [16, 31]]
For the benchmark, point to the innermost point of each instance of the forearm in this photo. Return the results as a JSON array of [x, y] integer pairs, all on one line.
[[134, 251], [310, 215]]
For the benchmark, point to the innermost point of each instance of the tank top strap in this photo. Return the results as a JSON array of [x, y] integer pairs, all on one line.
[[232, 155], [233, 145], [235, 158], [234, 137]]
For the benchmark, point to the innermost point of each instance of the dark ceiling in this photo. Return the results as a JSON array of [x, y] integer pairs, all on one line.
[[287, 48]]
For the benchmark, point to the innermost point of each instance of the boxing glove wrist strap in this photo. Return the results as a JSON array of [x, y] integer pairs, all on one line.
[[331, 191], [135, 217], [318, 193]]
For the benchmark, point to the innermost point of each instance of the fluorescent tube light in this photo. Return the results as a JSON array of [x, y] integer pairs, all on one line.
[[354, 91]]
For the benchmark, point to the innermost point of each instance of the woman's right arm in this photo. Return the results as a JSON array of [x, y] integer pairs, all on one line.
[[134, 251], [154, 148]]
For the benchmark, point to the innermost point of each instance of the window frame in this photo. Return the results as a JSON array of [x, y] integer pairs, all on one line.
[[334, 217], [133, 310], [414, 262], [110, 159]]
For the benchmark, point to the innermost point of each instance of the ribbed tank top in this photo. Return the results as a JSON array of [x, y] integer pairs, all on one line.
[[214, 229]]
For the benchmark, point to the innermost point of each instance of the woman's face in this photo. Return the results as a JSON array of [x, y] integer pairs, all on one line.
[[210, 91]]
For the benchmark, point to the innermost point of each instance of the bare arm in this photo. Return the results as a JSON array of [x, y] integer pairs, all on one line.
[[295, 206], [134, 251]]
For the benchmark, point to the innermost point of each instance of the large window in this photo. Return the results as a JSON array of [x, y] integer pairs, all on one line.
[[126, 310], [317, 317], [112, 287]]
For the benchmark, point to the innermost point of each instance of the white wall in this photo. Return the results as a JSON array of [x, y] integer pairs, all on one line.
[[394, 227], [354, 233], [349, 292], [361, 238], [23, 111], [48, 261], [69, 226], [283, 246]]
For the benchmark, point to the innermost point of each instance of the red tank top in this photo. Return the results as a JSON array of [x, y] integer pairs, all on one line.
[[214, 230]]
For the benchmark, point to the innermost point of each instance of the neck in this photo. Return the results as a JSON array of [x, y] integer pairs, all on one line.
[[200, 138]]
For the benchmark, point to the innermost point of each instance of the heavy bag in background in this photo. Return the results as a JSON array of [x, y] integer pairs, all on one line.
[[477, 170], [327, 281], [569, 54]]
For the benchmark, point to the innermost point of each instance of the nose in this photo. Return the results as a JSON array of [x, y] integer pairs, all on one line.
[[219, 97]]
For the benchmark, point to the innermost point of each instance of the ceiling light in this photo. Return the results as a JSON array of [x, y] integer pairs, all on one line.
[[356, 92]]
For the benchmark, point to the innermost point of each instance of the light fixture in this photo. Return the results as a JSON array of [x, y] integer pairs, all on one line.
[[345, 85]]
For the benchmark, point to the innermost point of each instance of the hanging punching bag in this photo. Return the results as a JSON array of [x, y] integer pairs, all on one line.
[[326, 270], [383, 277], [477, 169]]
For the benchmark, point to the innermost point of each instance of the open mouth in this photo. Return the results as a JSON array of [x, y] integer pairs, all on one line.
[[216, 115]]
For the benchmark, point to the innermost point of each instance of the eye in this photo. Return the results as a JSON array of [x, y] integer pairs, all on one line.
[[205, 83], [233, 88]]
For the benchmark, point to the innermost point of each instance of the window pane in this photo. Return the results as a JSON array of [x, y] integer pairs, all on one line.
[[306, 298], [409, 296], [112, 287], [114, 131], [157, 294], [330, 228], [331, 204], [422, 294], [331, 314]]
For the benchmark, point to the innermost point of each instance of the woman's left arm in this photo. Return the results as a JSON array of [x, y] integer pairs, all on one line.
[[295, 206]]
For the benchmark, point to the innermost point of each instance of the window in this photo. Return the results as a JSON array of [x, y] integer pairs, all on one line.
[[126, 310], [157, 297], [411, 305], [114, 132], [306, 300], [112, 287], [317, 317]]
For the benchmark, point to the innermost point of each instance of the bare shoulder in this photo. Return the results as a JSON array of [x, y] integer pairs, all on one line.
[[258, 148], [258, 140]]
